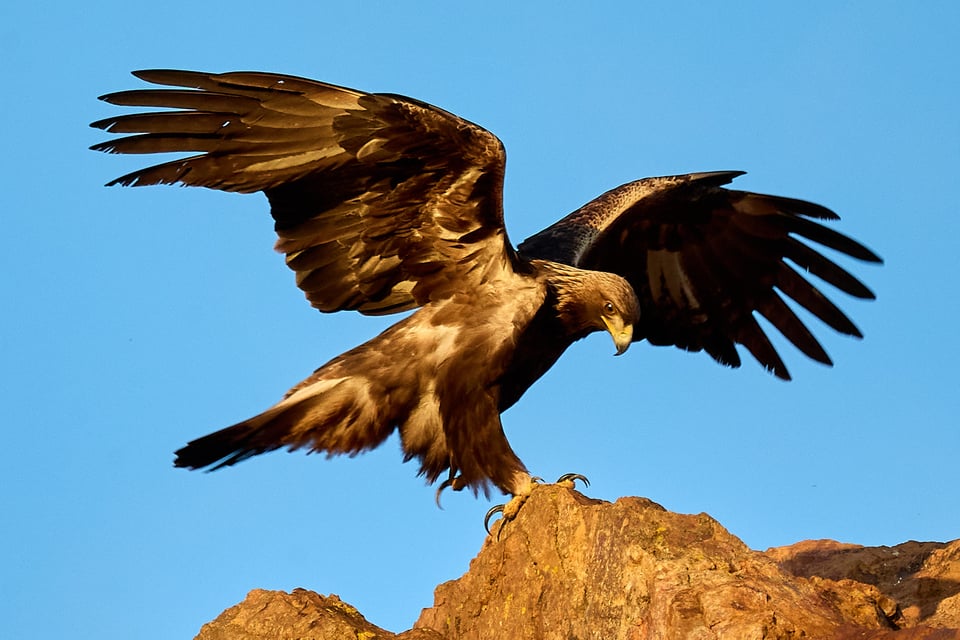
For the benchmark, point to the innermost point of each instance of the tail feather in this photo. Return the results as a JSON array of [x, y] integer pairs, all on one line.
[[342, 415], [233, 444]]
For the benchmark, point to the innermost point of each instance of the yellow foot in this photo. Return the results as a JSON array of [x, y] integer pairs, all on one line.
[[510, 510], [507, 512]]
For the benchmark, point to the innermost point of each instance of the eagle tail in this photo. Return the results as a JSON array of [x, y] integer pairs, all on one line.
[[333, 416], [225, 447]]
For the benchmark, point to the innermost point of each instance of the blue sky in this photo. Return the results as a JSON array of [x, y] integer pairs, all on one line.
[[138, 319]]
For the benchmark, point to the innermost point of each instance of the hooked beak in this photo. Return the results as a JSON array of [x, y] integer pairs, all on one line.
[[622, 334]]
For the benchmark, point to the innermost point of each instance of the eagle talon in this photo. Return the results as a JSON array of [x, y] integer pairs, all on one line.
[[570, 480], [509, 510], [486, 520], [454, 482]]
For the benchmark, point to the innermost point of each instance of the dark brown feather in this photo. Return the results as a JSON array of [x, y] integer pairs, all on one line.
[[380, 202], [703, 259]]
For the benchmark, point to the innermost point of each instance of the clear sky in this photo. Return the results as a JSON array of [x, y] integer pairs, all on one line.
[[137, 319]]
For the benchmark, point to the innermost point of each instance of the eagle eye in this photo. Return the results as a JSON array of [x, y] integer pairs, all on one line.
[[608, 308]]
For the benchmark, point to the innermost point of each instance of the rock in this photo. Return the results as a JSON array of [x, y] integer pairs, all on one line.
[[922, 579], [571, 567], [301, 615]]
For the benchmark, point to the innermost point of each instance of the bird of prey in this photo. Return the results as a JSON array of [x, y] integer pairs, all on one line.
[[383, 204]]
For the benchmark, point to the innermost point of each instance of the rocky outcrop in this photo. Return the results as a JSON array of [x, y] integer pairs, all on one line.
[[572, 567], [919, 581], [301, 615]]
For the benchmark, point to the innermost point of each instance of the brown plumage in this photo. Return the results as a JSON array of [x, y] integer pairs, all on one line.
[[383, 204]]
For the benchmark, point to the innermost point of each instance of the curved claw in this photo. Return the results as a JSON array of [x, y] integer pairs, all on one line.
[[572, 479], [509, 510], [453, 482], [486, 520], [443, 485]]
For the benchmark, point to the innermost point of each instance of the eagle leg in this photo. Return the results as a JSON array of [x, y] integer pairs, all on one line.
[[510, 510]]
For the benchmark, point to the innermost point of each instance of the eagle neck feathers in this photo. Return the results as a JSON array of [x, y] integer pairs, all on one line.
[[576, 293]]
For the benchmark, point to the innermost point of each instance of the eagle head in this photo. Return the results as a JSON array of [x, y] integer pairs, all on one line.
[[589, 301], [618, 309]]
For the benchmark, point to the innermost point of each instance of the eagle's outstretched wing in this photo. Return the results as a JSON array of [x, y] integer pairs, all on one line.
[[704, 259], [381, 202]]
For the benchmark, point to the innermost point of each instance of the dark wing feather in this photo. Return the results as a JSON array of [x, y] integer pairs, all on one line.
[[704, 260], [381, 202]]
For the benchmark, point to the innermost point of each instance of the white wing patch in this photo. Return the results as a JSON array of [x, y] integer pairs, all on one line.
[[668, 279]]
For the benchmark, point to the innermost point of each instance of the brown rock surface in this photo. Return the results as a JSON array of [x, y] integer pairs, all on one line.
[[921, 578], [301, 615], [571, 567]]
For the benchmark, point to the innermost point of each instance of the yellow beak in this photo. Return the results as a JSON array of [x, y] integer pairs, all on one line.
[[622, 334]]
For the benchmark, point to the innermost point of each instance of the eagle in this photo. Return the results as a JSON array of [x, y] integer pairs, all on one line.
[[384, 204]]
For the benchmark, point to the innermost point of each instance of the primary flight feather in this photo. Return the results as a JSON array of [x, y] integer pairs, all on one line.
[[383, 203]]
